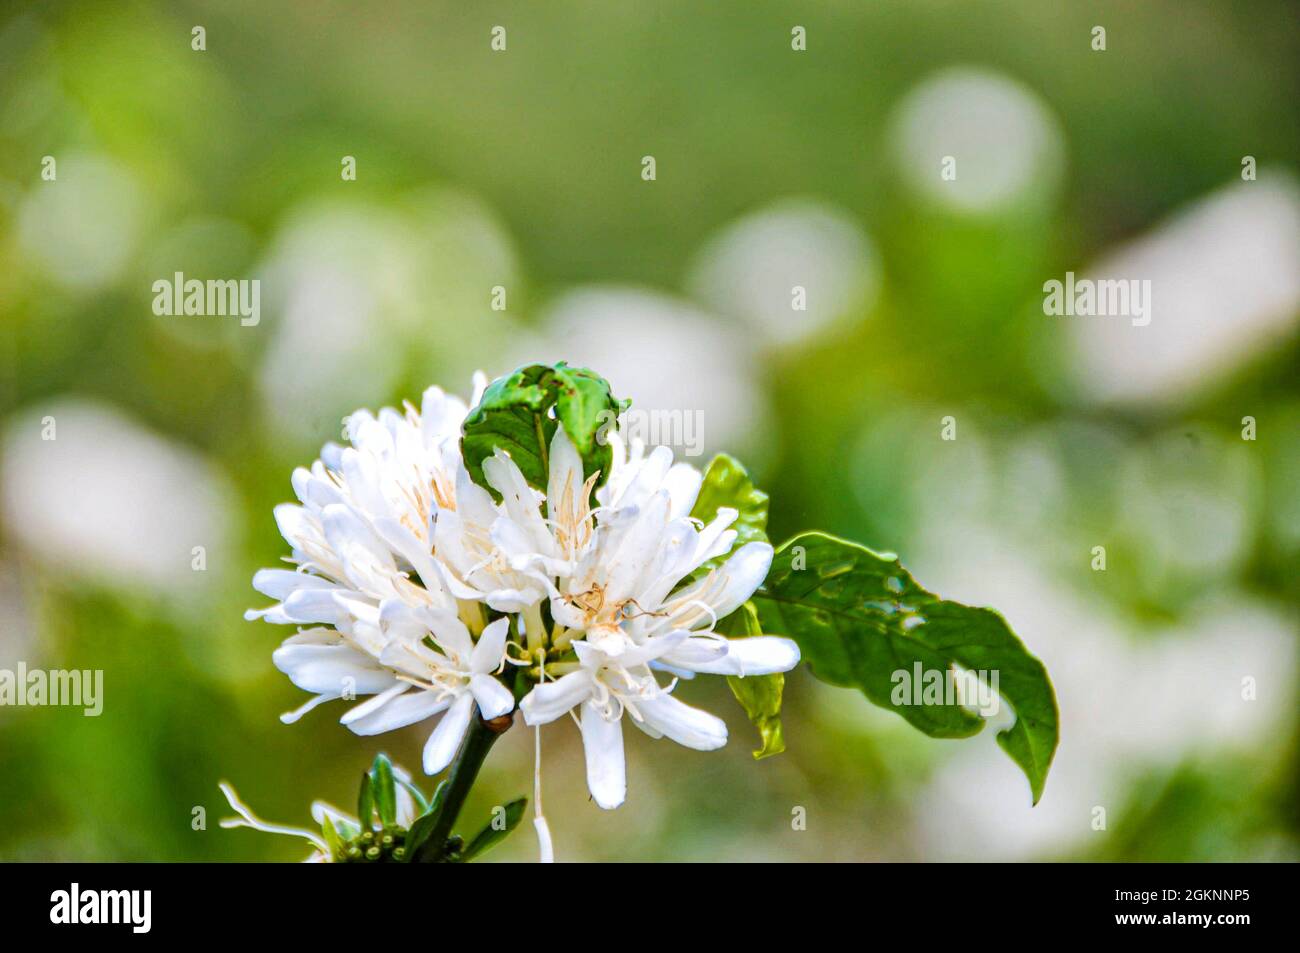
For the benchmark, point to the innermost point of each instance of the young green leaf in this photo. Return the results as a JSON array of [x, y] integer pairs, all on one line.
[[861, 621], [417, 846], [385, 791], [421, 802], [759, 695], [366, 801], [496, 830], [726, 483], [515, 415]]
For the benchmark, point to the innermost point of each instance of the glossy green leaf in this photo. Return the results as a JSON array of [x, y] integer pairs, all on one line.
[[519, 413], [860, 618], [490, 836], [759, 695]]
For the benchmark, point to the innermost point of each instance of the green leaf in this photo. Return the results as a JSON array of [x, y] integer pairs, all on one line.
[[860, 619], [421, 802], [417, 840], [759, 695], [515, 415], [490, 836], [366, 801], [726, 483], [385, 792]]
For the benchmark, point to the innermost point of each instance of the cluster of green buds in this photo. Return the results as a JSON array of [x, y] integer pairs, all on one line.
[[395, 821], [387, 845], [398, 823]]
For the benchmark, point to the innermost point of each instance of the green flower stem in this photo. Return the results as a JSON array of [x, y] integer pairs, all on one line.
[[479, 739]]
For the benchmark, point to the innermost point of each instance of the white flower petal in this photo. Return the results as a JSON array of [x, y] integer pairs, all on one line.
[[744, 572], [602, 741], [366, 560], [446, 738], [441, 415], [401, 711], [636, 550], [514, 600], [696, 651], [296, 524], [714, 539], [627, 653], [683, 724], [314, 488], [565, 468], [494, 699], [521, 501], [490, 648], [549, 701], [757, 655], [280, 583], [449, 632], [683, 484], [274, 614], [313, 605], [708, 600], [331, 669], [315, 636], [659, 665], [473, 502], [289, 717], [358, 712]]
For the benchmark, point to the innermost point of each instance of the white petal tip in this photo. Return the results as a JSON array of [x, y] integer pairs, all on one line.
[[434, 766]]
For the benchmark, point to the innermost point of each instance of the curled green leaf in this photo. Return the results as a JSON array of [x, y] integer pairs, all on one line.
[[519, 413], [759, 695]]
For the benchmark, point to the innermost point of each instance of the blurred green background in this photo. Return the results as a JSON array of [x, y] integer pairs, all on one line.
[[775, 168]]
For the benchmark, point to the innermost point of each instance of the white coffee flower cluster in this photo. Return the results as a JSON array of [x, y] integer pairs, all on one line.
[[416, 587]]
